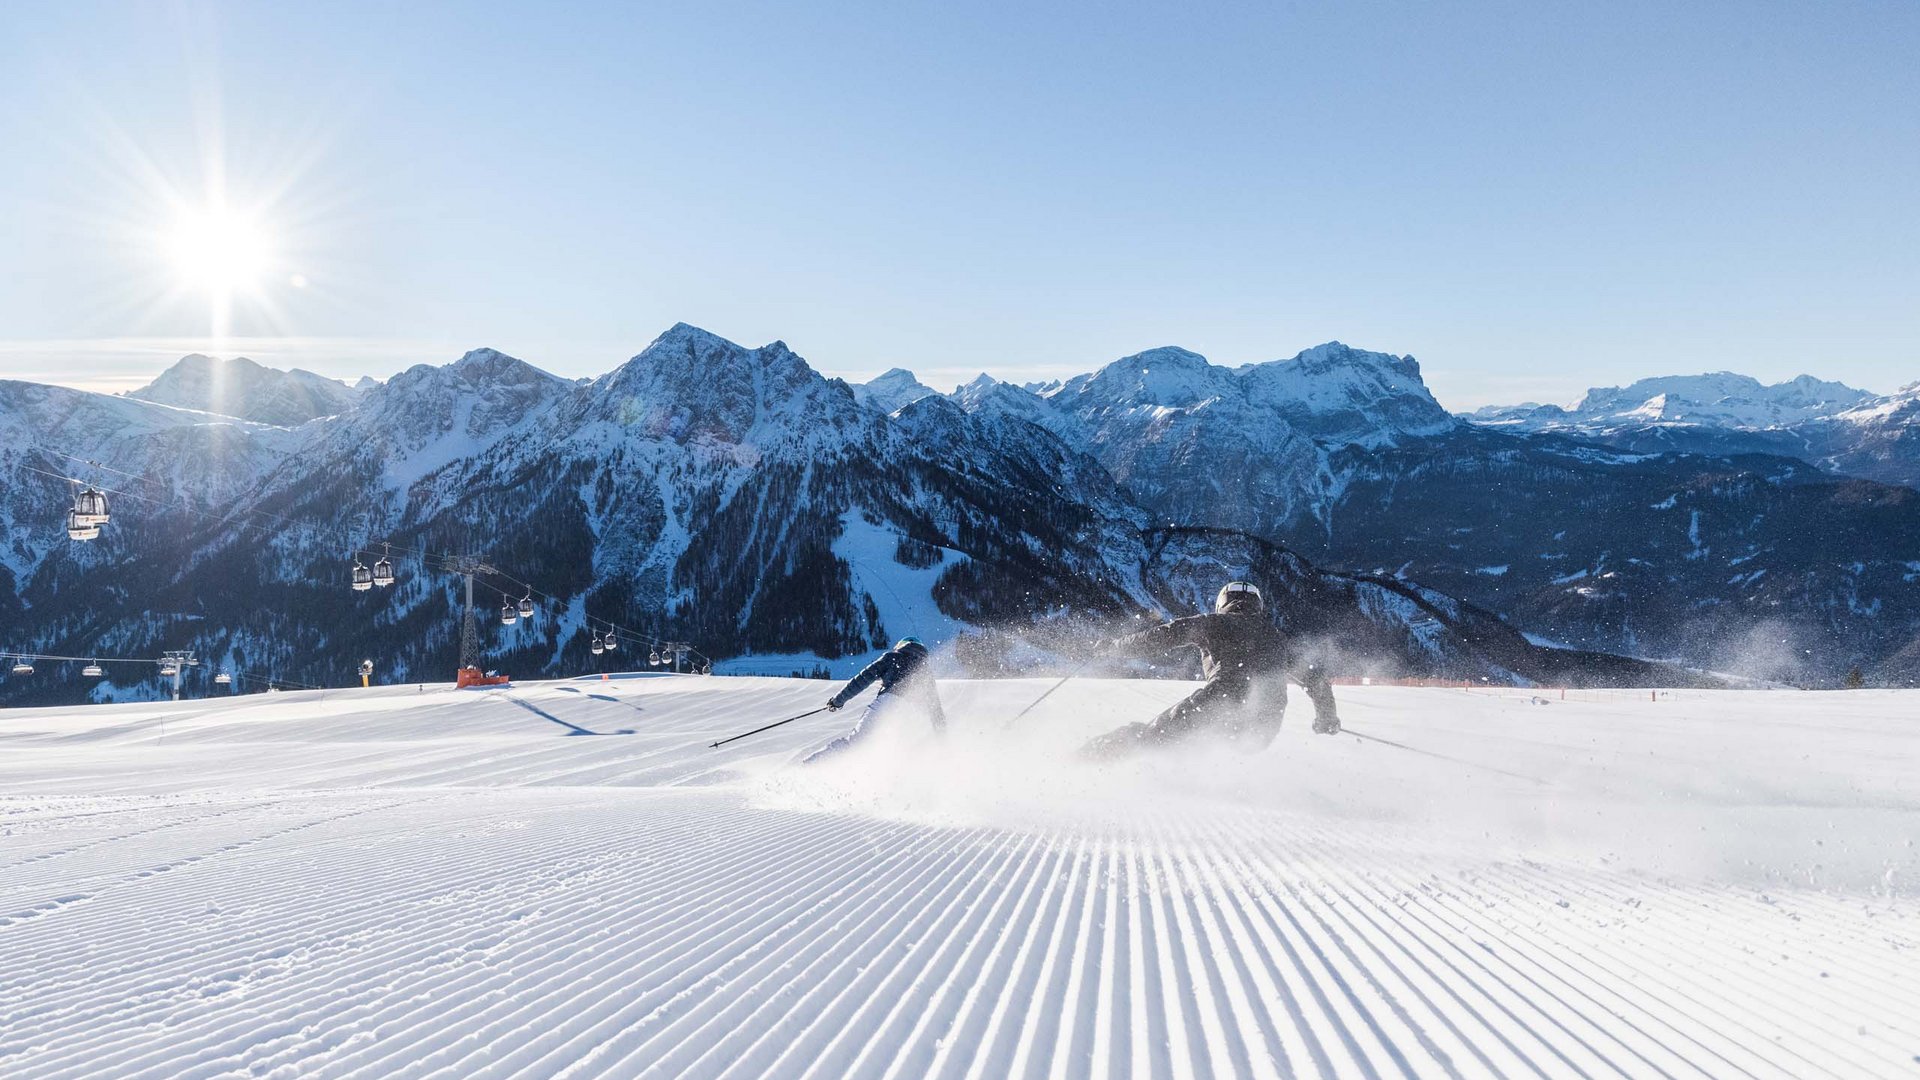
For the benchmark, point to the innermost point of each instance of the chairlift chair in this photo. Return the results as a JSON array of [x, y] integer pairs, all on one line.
[[653, 657], [168, 671], [21, 667], [93, 670], [597, 647], [509, 614], [383, 573], [526, 606], [362, 577], [612, 642], [223, 679]]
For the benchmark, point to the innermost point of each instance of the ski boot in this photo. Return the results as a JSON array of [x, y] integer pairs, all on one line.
[[1116, 744]]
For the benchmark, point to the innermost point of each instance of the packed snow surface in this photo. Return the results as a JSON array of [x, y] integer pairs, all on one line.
[[563, 879]]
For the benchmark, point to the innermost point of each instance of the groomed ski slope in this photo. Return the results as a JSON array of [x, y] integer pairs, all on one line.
[[561, 879]]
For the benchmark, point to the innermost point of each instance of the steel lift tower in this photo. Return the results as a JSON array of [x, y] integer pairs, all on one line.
[[470, 674]]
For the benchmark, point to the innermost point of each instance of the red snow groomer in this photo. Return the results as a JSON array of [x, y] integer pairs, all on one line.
[[473, 676]]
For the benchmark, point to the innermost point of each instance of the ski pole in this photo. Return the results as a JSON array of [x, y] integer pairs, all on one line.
[[1443, 757], [768, 727], [1045, 696]]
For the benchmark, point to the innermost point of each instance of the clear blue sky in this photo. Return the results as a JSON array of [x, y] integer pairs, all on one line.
[[1530, 197]]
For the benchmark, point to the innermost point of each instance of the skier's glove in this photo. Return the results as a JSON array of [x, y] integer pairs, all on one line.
[[833, 704], [1326, 725]]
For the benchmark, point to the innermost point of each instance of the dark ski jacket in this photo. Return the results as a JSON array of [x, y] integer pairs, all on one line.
[[1238, 648], [902, 669]]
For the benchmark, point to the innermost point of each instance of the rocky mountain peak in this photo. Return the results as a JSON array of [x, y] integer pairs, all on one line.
[[491, 366], [692, 384], [892, 390], [976, 390]]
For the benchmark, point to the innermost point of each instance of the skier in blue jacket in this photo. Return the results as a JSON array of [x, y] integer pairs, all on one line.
[[906, 685]]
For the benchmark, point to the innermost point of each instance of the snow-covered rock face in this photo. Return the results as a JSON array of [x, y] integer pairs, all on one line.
[[1183, 437], [892, 391], [428, 417], [1261, 447], [1335, 393], [988, 396], [241, 388], [693, 386]]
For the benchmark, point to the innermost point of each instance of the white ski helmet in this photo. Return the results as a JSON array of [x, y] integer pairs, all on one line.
[[1238, 597]]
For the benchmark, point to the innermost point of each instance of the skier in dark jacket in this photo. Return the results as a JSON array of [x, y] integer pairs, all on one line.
[[1247, 662], [906, 685]]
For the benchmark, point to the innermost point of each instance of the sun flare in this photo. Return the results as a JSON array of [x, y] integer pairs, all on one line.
[[220, 250]]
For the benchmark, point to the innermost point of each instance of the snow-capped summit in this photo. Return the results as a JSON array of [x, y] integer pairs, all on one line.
[[1168, 376], [891, 390], [478, 370], [693, 385], [1721, 398], [240, 388], [970, 393], [478, 366], [1336, 392]]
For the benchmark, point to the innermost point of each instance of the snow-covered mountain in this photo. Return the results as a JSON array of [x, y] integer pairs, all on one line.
[[1878, 438], [735, 497], [1262, 447], [195, 457], [1841, 429], [1721, 398], [240, 388], [891, 390], [1717, 399], [701, 491], [1344, 456]]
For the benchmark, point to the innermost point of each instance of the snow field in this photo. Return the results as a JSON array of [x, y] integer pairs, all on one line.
[[562, 879]]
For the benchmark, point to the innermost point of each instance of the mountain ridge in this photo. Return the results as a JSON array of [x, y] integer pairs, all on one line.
[[710, 489], [702, 490], [247, 390]]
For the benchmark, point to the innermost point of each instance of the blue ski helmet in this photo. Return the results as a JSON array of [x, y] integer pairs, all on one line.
[[906, 641]]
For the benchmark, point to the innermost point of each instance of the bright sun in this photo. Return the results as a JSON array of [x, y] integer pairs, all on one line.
[[220, 250]]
